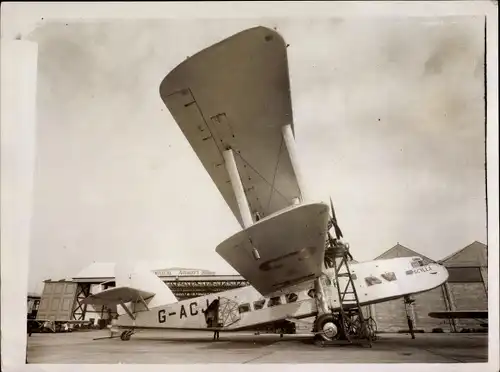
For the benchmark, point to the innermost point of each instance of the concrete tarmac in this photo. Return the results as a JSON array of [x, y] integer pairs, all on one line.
[[198, 347]]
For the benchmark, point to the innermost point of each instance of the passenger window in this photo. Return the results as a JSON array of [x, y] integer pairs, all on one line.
[[390, 277], [311, 293], [244, 308], [291, 297], [274, 301], [372, 280], [257, 305]]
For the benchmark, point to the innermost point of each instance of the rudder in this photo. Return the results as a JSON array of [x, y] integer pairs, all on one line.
[[142, 278]]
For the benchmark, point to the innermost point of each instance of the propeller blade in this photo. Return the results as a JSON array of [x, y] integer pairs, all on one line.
[[338, 232], [334, 217]]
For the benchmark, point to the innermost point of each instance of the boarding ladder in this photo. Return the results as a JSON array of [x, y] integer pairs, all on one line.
[[352, 320]]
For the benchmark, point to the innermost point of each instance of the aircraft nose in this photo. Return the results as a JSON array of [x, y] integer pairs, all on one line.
[[444, 271], [441, 271]]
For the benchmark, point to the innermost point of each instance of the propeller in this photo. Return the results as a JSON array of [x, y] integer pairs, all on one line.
[[333, 222]]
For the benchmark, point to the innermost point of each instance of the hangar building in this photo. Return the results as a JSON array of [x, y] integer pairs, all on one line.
[[466, 289]]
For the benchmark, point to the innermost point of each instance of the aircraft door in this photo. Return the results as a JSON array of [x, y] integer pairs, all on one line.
[[222, 312], [212, 314]]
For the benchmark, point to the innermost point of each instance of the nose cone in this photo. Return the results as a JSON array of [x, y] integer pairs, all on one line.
[[444, 273]]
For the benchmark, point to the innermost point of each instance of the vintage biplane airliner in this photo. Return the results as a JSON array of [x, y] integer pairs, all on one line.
[[232, 103]]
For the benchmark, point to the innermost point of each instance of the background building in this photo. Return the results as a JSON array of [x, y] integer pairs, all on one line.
[[467, 286], [33, 304], [466, 289]]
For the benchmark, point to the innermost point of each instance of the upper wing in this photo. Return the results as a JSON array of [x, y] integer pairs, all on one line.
[[236, 94], [116, 296], [460, 314], [282, 250]]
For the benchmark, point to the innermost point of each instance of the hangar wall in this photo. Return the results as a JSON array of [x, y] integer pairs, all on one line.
[[467, 285], [57, 300], [466, 289]]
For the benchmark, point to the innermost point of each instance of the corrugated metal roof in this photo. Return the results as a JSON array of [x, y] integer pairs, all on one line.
[[401, 251], [474, 254]]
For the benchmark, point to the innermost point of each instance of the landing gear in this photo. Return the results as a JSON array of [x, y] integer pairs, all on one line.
[[125, 336], [327, 327]]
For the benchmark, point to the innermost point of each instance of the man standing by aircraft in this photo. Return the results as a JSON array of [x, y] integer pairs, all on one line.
[[409, 302], [211, 316]]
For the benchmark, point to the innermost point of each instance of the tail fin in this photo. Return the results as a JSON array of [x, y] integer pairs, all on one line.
[[139, 277]]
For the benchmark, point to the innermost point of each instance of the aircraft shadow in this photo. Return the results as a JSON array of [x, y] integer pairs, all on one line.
[[224, 342]]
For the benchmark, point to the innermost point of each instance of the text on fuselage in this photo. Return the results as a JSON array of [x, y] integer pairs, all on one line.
[[192, 310], [422, 269]]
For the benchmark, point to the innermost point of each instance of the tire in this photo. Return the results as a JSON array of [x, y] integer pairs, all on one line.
[[325, 322], [125, 336]]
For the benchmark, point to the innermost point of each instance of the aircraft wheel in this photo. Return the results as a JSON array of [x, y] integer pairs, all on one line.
[[327, 327], [125, 336]]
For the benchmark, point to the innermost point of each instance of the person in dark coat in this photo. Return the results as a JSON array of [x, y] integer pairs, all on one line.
[[408, 302]]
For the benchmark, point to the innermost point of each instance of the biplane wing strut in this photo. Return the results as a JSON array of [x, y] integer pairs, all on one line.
[[120, 296]]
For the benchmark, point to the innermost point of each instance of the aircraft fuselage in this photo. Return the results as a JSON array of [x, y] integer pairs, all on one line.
[[244, 308]]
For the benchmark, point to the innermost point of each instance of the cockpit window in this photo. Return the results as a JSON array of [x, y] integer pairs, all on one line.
[[389, 276], [372, 280], [417, 263]]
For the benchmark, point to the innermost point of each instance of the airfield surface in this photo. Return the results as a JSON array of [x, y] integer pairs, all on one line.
[[198, 347]]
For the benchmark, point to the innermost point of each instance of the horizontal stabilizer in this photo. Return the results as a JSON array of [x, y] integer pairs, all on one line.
[[461, 314], [116, 296]]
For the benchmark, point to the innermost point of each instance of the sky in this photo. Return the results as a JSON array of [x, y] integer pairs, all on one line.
[[389, 122]]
